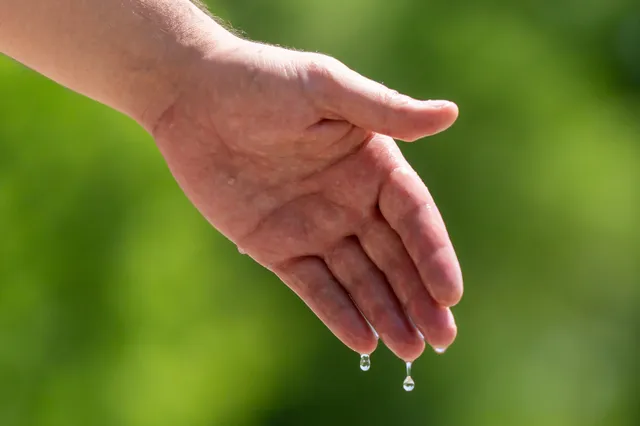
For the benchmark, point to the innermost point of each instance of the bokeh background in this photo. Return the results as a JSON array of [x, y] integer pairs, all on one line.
[[120, 305]]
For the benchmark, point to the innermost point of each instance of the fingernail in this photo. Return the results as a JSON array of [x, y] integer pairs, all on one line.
[[439, 349], [438, 104]]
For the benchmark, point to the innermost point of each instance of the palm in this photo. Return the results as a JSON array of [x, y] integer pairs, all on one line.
[[333, 209]]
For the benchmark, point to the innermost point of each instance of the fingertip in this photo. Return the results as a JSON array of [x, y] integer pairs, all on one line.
[[419, 119], [452, 111], [354, 331], [447, 106], [363, 344], [455, 110], [411, 350], [450, 106], [436, 117], [444, 277], [442, 335]]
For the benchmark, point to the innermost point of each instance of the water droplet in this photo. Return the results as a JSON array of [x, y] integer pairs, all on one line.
[[439, 350], [241, 251], [408, 384], [365, 362]]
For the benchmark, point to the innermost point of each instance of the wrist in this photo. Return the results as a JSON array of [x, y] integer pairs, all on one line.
[[190, 51]]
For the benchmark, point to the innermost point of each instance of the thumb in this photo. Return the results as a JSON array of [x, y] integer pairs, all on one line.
[[374, 107]]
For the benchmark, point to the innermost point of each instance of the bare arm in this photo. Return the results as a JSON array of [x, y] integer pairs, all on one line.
[[128, 54]]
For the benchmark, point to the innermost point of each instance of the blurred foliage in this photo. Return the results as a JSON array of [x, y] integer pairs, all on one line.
[[119, 305]]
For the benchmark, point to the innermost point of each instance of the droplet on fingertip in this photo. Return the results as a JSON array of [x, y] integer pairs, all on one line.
[[440, 349]]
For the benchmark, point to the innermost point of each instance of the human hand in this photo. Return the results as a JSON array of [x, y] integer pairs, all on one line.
[[290, 155]]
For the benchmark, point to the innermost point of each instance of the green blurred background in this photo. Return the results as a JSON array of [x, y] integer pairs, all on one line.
[[119, 305]]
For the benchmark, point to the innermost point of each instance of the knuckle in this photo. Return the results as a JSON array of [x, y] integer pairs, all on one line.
[[321, 67], [392, 98]]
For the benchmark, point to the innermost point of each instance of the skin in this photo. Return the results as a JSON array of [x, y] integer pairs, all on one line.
[[288, 154]]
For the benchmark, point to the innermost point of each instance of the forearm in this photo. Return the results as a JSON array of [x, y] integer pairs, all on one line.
[[128, 54]]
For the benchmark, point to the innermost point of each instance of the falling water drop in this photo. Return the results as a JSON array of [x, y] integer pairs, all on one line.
[[408, 383], [365, 362]]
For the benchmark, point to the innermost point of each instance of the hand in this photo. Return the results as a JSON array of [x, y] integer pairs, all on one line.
[[290, 155]]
